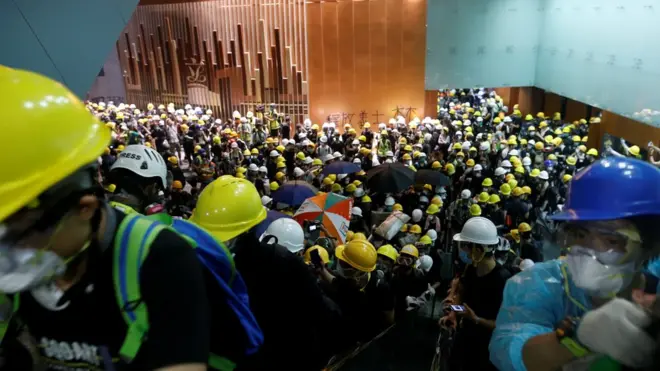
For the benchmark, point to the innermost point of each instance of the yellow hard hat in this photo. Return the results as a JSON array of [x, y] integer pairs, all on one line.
[[557, 141], [31, 104], [280, 148], [111, 188], [425, 240], [388, 251], [403, 141], [404, 228], [254, 151], [487, 182], [279, 175], [475, 210], [120, 148], [228, 207], [410, 250], [323, 253], [407, 157], [336, 188], [634, 150], [366, 199], [517, 191], [524, 227], [531, 128], [538, 146], [552, 157], [351, 188], [592, 152], [512, 141], [357, 182], [509, 176], [173, 160], [432, 209], [177, 184], [333, 177], [512, 183], [274, 186], [571, 160], [197, 148], [519, 170], [415, 229], [359, 254], [540, 115], [349, 236], [317, 162], [493, 199], [315, 127], [436, 165], [362, 138], [523, 141], [450, 169], [585, 139], [407, 148], [460, 154], [483, 197], [529, 117], [436, 200], [397, 207], [566, 178], [246, 152], [534, 173], [527, 190], [366, 125], [469, 163], [457, 146], [505, 189]]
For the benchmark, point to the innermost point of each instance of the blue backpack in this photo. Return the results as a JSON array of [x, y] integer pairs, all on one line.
[[132, 242]]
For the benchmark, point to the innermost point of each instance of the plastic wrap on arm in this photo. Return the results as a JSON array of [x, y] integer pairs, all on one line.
[[654, 269], [534, 302]]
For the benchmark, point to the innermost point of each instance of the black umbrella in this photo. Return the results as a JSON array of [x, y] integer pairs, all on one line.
[[390, 178], [432, 177]]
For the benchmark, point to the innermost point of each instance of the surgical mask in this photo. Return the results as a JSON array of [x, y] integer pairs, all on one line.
[[24, 268], [464, 256], [596, 278]]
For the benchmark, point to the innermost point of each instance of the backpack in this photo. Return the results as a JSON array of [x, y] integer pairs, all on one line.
[[132, 242]]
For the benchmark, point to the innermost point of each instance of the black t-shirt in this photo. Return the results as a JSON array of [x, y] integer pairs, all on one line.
[[484, 295], [403, 285], [90, 329]]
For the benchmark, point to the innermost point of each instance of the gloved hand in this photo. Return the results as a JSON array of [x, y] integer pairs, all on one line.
[[617, 329], [430, 289], [415, 303]]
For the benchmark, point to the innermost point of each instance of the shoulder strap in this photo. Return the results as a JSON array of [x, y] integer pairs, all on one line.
[[132, 243]]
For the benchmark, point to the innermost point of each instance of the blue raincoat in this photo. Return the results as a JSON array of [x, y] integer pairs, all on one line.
[[535, 301], [654, 269]]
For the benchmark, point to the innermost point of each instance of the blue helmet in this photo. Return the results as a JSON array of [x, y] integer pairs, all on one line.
[[548, 163], [613, 188]]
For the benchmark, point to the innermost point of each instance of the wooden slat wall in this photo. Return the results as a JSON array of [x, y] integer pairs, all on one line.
[[221, 54], [366, 57]]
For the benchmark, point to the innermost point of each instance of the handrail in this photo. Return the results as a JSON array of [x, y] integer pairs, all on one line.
[[339, 360]]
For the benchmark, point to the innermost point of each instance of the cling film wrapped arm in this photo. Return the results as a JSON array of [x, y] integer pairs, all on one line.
[[534, 302]]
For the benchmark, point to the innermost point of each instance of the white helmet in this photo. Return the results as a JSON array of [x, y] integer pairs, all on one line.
[[484, 146], [143, 161], [465, 194], [467, 123], [357, 161], [356, 211], [531, 142], [298, 172], [288, 232], [478, 230], [274, 153], [308, 160], [389, 154], [466, 146], [265, 200], [503, 244], [234, 145], [425, 263], [542, 175], [358, 192], [324, 139], [423, 199], [389, 201], [478, 167], [328, 157], [527, 161], [336, 155], [506, 164], [263, 169], [432, 234], [253, 167], [388, 161], [375, 162], [341, 176], [416, 215], [500, 171], [307, 123], [514, 152], [285, 142], [292, 141]]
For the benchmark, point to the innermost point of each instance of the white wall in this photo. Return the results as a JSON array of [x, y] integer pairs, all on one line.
[[603, 52], [490, 43], [68, 40]]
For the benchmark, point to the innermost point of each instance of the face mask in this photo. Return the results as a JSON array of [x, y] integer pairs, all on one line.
[[465, 258], [24, 268], [596, 278], [49, 295]]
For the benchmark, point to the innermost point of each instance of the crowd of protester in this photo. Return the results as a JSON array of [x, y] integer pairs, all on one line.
[[493, 229]]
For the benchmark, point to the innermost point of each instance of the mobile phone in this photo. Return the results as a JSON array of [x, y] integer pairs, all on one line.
[[312, 227], [457, 308], [316, 258]]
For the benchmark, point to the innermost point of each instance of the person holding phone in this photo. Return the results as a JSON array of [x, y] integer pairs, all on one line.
[[481, 288]]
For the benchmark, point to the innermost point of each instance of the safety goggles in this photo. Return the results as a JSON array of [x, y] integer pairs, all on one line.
[[405, 260], [608, 246]]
